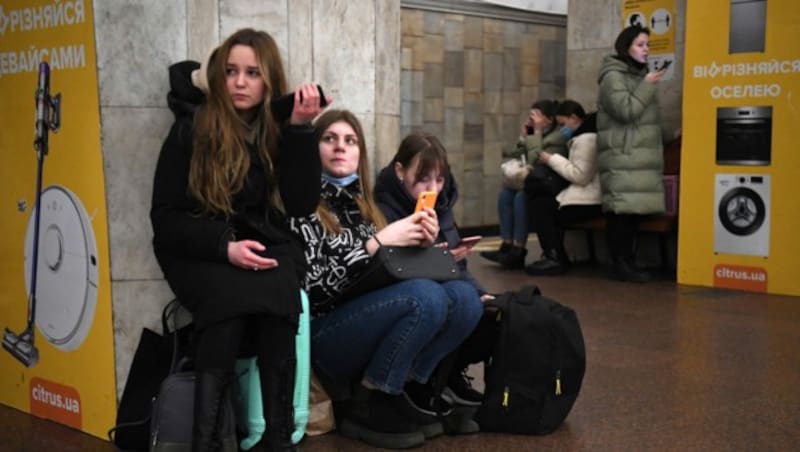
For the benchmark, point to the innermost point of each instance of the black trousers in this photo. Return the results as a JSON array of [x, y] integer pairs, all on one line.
[[270, 338], [546, 219], [621, 234]]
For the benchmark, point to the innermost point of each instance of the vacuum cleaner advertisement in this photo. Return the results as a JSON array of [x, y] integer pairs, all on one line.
[[57, 358]]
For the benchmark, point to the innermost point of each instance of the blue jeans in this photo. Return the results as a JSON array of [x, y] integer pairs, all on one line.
[[394, 334], [512, 209]]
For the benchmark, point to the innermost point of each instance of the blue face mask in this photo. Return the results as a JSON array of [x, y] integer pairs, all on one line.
[[340, 181], [567, 132]]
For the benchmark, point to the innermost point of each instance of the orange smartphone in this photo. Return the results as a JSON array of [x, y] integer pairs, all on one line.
[[426, 199], [470, 241]]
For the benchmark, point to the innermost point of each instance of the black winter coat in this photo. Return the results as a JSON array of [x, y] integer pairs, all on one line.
[[396, 202], [192, 249]]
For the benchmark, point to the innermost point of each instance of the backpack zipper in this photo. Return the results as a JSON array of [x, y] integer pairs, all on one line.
[[506, 392], [558, 382]]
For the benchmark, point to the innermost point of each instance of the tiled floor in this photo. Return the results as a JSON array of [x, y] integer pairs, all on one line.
[[669, 368]]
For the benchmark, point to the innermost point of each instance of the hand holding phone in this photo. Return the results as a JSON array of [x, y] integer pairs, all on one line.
[[426, 199], [282, 106], [665, 65], [470, 241]]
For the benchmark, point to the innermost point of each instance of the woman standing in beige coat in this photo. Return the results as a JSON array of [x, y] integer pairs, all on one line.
[[579, 201]]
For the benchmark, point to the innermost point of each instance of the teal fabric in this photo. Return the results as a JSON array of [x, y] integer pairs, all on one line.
[[247, 391]]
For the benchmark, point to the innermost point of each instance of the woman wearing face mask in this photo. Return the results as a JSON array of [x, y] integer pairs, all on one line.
[[629, 146], [579, 201], [227, 176], [538, 133], [389, 341], [421, 165]]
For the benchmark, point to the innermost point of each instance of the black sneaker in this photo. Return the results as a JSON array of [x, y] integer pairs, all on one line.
[[376, 418], [425, 410], [459, 390]]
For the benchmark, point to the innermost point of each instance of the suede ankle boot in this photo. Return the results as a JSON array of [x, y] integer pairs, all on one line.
[[496, 255], [552, 262], [515, 258]]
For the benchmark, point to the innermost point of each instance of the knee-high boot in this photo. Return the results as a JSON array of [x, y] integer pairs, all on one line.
[[277, 387], [210, 417]]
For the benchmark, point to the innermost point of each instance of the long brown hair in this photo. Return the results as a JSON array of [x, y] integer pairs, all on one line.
[[220, 157], [366, 204]]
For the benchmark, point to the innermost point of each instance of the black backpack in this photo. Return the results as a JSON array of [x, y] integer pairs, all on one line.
[[537, 365]]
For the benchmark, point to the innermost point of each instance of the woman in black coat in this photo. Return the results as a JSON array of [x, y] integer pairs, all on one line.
[[227, 177]]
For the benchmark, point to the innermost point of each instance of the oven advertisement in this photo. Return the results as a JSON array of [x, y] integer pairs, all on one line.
[[739, 142]]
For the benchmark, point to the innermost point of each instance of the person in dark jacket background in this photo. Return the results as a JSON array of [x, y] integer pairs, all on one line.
[[629, 146], [227, 176], [420, 164]]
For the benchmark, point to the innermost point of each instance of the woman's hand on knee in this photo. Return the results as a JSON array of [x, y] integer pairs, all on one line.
[[243, 254]]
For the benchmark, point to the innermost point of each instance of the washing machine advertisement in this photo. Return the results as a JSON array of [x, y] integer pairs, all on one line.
[[739, 225], [57, 356]]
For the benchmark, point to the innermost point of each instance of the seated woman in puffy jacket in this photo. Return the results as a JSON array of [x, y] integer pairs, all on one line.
[[579, 201]]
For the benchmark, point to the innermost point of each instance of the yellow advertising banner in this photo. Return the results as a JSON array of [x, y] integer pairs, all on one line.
[[57, 359], [740, 167], [659, 17]]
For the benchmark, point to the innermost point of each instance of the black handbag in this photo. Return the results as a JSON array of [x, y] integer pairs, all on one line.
[[543, 180], [153, 360], [392, 264]]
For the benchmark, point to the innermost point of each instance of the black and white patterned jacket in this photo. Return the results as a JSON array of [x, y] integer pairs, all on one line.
[[334, 260]]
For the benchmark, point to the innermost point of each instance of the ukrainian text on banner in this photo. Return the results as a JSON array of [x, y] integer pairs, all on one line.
[[57, 359]]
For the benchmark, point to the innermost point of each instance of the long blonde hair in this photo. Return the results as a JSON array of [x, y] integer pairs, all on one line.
[[220, 157], [366, 203]]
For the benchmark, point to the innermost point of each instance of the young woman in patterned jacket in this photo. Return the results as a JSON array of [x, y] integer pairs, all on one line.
[[387, 342]]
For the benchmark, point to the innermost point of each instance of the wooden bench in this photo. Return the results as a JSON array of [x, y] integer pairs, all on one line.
[[662, 225]]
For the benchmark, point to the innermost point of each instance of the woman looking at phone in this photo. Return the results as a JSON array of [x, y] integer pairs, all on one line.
[[420, 167], [389, 341]]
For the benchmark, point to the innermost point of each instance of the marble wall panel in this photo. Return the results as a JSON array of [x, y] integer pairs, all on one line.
[[453, 34], [387, 138], [202, 28], [433, 109], [131, 141], [387, 62], [453, 97], [492, 71], [511, 70], [433, 23], [132, 66], [433, 80], [592, 25], [272, 17], [473, 70], [299, 66], [345, 64], [473, 32], [454, 69], [412, 22]]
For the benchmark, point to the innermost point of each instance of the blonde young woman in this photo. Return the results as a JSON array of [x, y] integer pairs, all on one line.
[[227, 177]]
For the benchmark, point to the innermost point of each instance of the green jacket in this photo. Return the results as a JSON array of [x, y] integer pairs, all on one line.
[[553, 142], [629, 147]]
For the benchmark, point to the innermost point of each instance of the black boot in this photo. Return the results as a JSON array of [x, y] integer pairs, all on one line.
[[553, 262], [625, 270], [495, 256], [376, 418], [277, 386], [212, 428], [515, 258]]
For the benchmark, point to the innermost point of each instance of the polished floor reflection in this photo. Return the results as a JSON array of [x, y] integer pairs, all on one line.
[[669, 368]]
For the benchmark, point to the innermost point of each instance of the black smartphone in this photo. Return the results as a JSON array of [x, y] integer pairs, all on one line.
[[666, 64], [529, 130], [282, 106]]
